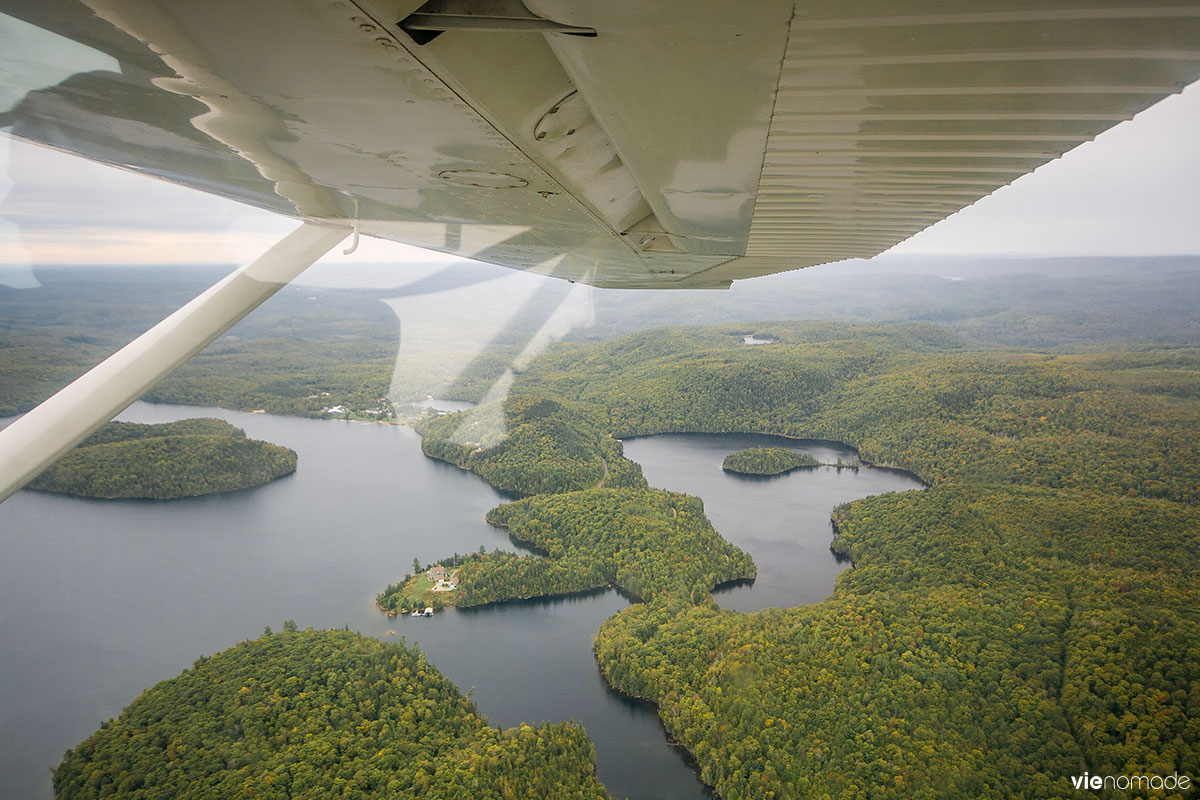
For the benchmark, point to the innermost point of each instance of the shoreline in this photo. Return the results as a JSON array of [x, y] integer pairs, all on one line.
[[672, 740]]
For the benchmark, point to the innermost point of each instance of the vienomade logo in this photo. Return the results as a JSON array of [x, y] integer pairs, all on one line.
[[1172, 782]]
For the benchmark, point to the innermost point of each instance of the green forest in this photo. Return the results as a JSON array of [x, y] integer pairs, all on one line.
[[550, 446], [766, 461], [321, 714], [303, 351], [914, 397], [1030, 616], [165, 461], [306, 342], [652, 544], [1033, 614], [591, 517]]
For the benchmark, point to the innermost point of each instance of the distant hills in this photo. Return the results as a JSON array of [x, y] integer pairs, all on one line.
[[310, 348]]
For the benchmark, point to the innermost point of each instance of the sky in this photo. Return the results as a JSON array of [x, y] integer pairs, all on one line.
[[1135, 190]]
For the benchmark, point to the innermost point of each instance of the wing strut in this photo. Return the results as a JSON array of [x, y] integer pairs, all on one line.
[[36, 440]]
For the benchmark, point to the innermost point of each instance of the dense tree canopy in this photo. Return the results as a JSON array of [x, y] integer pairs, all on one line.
[[651, 543], [304, 350], [766, 461], [548, 446], [321, 714], [1121, 423], [169, 460], [987, 644], [1030, 617]]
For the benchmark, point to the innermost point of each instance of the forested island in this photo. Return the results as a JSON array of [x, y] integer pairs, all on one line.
[[165, 461], [766, 461], [650, 543], [321, 714]]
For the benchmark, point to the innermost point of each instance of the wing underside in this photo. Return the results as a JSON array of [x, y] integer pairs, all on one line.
[[650, 144]]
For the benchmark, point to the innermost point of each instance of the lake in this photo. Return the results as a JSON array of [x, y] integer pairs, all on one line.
[[781, 520], [101, 599]]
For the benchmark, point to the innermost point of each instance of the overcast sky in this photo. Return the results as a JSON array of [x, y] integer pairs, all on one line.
[[1134, 190]]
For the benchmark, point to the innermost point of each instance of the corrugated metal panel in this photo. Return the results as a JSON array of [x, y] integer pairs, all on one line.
[[687, 133], [885, 124]]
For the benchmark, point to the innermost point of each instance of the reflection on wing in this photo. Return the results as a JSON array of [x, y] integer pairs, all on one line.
[[472, 340], [684, 144]]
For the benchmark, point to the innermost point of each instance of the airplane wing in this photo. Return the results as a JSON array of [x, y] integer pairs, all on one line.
[[649, 144]]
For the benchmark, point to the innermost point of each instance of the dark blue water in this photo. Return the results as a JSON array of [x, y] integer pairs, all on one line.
[[782, 520], [101, 599]]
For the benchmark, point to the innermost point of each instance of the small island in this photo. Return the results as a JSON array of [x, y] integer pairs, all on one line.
[[170, 460], [767, 461]]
